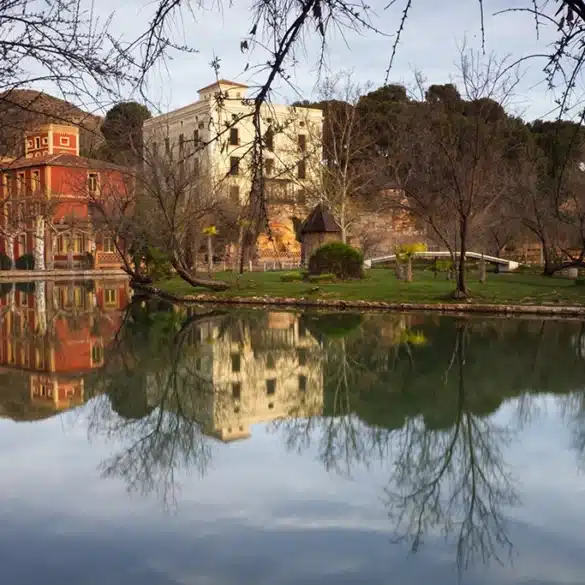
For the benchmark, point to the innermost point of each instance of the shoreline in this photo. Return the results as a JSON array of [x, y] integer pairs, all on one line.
[[293, 302]]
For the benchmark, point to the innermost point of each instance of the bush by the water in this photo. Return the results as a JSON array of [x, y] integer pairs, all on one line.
[[324, 278], [25, 262], [292, 277], [5, 262], [338, 259]]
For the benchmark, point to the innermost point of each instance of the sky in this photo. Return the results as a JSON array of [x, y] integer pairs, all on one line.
[[433, 34]]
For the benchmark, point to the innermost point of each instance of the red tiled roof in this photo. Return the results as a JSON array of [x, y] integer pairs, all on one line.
[[223, 82], [62, 160]]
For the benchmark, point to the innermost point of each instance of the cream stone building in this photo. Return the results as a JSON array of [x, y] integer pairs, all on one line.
[[219, 129]]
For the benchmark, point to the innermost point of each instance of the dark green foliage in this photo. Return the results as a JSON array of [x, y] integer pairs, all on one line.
[[122, 129], [339, 259], [5, 262], [331, 325], [25, 262], [159, 265], [5, 288], [26, 287]]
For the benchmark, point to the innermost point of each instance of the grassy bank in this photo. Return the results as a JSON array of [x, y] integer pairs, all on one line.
[[382, 285]]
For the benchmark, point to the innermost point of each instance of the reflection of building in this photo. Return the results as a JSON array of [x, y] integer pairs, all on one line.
[[51, 333], [254, 375]]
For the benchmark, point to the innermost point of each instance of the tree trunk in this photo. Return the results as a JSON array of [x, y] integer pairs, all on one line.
[[197, 281], [461, 289], [548, 268], [240, 252], [409, 269], [210, 255], [482, 271], [39, 244], [10, 248]]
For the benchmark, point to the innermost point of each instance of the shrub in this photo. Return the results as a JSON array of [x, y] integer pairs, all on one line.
[[291, 277], [25, 262], [321, 278], [338, 259], [5, 262], [159, 265]]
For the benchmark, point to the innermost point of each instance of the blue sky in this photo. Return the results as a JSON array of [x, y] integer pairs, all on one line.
[[433, 33], [259, 511]]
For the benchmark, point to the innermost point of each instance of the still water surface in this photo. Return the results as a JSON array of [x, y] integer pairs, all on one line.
[[150, 444]]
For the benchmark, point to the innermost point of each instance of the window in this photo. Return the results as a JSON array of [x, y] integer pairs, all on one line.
[[236, 390], [110, 297], [181, 143], [97, 354], [154, 149], [302, 139], [36, 209], [302, 383], [64, 140], [269, 166], [60, 244], [270, 364], [269, 139], [302, 170], [236, 362], [92, 182], [167, 146], [78, 243], [234, 137], [196, 137], [5, 183], [23, 299], [270, 386], [37, 142], [45, 140], [35, 180], [21, 211], [108, 244], [302, 356], [19, 183], [235, 194], [234, 166], [201, 125], [269, 120], [22, 244], [195, 167], [301, 197]]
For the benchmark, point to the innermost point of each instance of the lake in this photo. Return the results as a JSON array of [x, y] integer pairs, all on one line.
[[146, 443]]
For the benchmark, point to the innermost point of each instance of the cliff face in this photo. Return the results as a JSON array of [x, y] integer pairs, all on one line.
[[21, 109]]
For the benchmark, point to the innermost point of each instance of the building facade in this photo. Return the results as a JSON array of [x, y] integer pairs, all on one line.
[[219, 130], [49, 199]]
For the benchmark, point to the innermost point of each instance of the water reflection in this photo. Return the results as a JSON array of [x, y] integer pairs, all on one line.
[[51, 335], [167, 385]]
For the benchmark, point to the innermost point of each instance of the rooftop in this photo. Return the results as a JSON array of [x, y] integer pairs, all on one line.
[[320, 220], [223, 82], [61, 160]]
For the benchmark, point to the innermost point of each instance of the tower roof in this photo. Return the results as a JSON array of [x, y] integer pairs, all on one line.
[[224, 82], [320, 220]]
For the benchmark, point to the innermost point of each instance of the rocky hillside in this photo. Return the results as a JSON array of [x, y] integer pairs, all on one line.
[[25, 108]]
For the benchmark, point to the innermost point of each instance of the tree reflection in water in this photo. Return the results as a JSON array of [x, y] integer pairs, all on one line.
[[415, 394]]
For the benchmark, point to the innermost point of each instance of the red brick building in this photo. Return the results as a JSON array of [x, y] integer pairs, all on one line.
[[49, 200]]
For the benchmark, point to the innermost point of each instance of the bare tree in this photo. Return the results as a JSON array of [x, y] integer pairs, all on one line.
[[455, 161]]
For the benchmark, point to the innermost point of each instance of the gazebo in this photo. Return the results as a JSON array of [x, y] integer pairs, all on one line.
[[319, 228]]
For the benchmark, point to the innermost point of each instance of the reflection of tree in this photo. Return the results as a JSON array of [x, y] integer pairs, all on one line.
[[151, 376], [453, 480], [419, 395]]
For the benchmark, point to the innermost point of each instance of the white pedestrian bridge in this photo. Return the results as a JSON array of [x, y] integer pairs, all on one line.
[[502, 264]]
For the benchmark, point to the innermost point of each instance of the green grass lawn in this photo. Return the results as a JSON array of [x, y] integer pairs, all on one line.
[[381, 285]]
